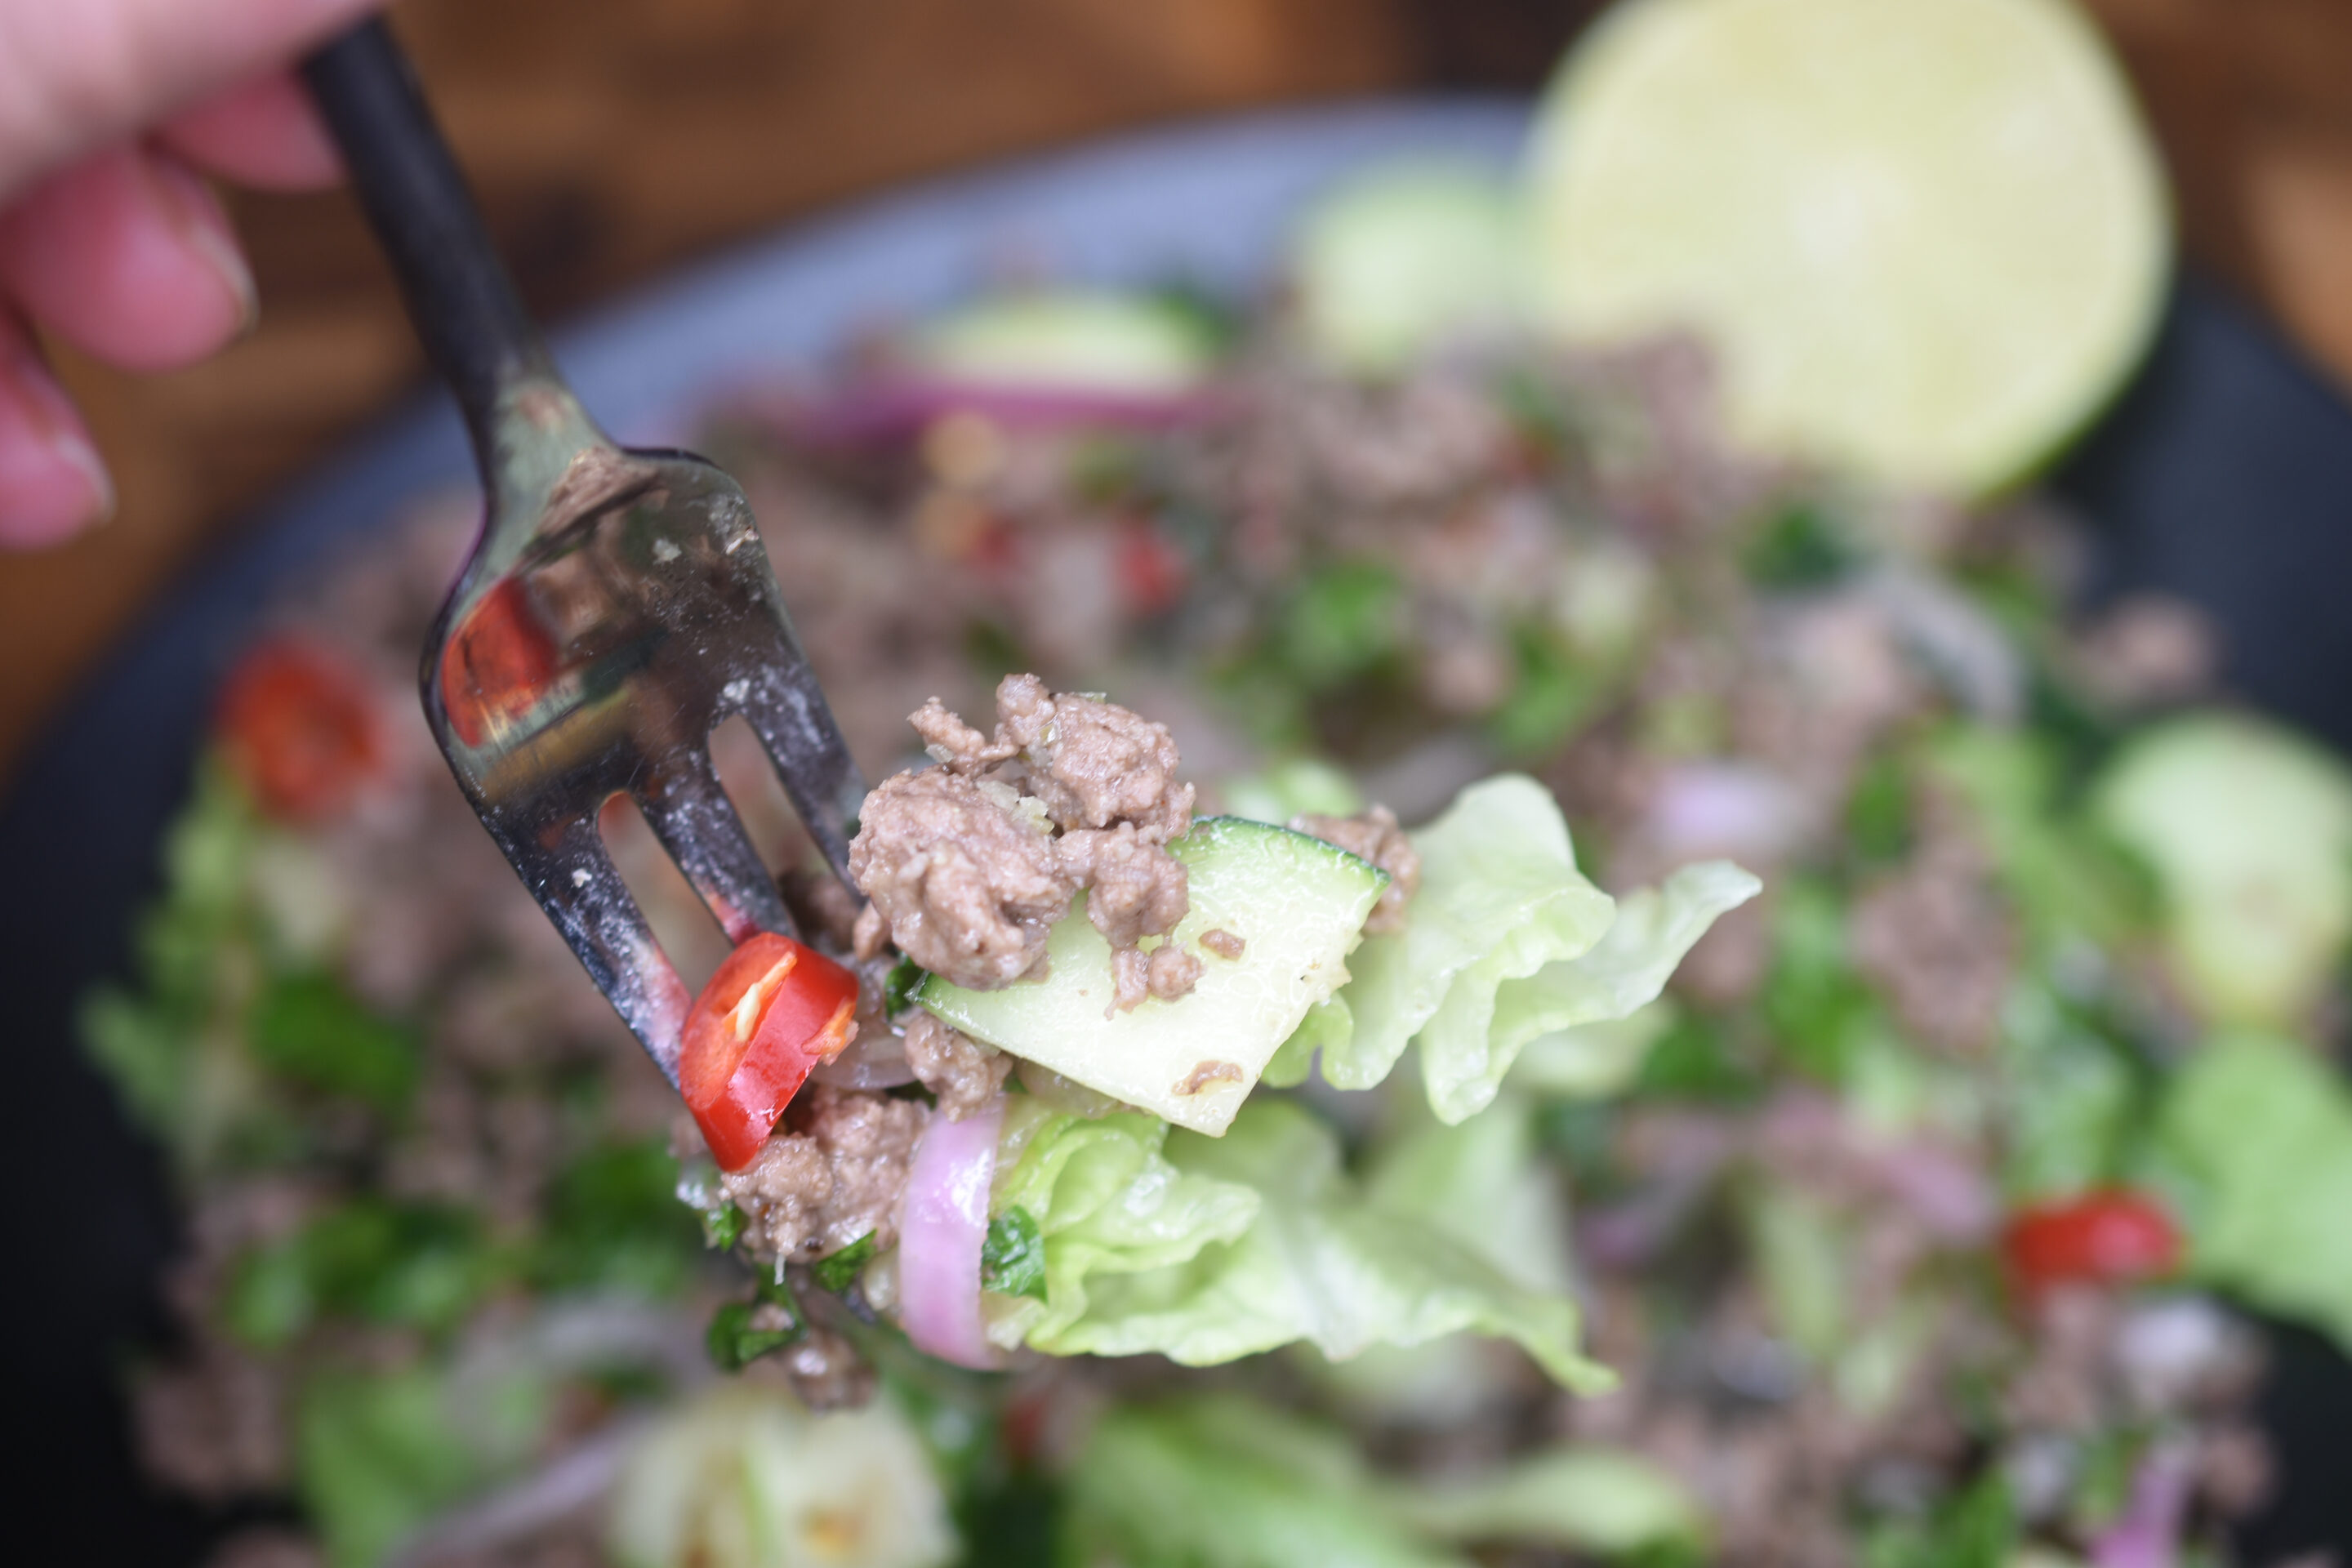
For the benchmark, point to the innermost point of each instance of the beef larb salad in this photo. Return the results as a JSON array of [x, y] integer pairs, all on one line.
[[1230, 1115]]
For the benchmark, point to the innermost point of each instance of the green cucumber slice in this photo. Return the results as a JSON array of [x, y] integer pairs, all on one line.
[[1299, 905], [1111, 344]]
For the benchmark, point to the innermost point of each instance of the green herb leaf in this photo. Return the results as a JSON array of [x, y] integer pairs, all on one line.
[[613, 1222], [743, 1331], [724, 1230], [308, 1028], [839, 1272], [1013, 1259], [899, 986]]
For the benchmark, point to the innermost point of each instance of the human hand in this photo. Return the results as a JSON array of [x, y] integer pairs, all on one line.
[[108, 238]]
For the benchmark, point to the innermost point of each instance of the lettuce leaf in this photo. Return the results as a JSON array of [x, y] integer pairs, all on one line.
[[1500, 897], [1234, 1483], [1106, 1202], [2262, 1129], [1321, 1260], [1507, 943], [1565, 1007], [1230, 1483]]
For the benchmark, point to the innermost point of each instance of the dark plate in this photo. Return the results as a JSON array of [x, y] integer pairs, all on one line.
[[2225, 476]]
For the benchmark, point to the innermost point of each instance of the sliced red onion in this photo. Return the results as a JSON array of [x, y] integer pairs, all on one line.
[[876, 1058], [2148, 1533], [940, 1241], [896, 408]]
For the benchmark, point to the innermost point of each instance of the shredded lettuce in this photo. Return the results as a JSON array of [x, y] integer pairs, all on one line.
[[1316, 1258], [1507, 943], [1593, 1501], [1106, 1202], [2261, 1129], [1232, 1483]]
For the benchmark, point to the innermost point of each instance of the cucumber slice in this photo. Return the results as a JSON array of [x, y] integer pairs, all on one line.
[[1299, 905], [1927, 240], [1109, 344], [1401, 258]]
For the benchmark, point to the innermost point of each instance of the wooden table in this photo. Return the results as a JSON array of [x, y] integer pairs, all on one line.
[[611, 139]]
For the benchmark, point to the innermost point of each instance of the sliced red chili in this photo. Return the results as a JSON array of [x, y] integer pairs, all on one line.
[[497, 663], [775, 1009], [1151, 571], [2110, 1236], [301, 728]]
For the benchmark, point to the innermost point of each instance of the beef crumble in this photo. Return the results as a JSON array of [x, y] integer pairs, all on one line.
[[963, 866], [1373, 835], [962, 1072], [967, 889], [836, 1176]]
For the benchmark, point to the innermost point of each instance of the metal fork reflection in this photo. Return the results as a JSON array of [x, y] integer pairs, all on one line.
[[617, 606]]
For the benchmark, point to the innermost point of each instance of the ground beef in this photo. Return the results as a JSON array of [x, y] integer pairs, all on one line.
[[1094, 763], [1134, 887], [1223, 943], [1373, 835], [214, 1427], [960, 866], [1166, 972], [836, 1176], [1938, 942], [825, 1371], [967, 889], [956, 744], [963, 1073]]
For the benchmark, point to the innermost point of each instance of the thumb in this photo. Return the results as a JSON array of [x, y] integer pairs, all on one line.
[[76, 75]]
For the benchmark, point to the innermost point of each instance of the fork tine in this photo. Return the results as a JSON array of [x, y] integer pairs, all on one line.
[[687, 808], [577, 884], [788, 712]]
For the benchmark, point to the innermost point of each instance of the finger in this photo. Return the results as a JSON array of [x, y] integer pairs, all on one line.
[[76, 75], [52, 484], [128, 255], [266, 134]]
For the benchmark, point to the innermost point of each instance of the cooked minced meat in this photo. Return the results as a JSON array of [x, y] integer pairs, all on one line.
[[1166, 972], [214, 1427], [835, 1177], [963, 1073], [1223, 943], [1134, 887], [967, 889], [1373, 835], [1098, 772], [1094, 763]]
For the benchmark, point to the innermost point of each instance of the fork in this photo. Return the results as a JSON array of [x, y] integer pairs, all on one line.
[[617, 604]]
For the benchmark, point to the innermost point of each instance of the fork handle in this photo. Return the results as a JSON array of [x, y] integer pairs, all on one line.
[[465, 309]]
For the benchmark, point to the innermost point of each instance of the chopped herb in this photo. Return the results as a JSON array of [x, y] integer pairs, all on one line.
[[1013, 1259], [743, 1331], [309, 1029], [723, 1229], [1797, 548], [839, 1272], [900, 986]]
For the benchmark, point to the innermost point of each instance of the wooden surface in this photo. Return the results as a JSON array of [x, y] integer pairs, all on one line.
[[612, 139]]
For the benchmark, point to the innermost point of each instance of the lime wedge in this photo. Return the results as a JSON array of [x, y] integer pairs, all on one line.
[[1927, 238]]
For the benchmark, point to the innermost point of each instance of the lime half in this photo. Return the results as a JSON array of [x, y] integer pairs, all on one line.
[[1927, 238]]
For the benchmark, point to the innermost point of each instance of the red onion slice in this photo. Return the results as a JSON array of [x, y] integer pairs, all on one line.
[[2147, 1533], [940, 1242]]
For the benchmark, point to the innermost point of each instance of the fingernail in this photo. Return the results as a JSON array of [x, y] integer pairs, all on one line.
[[197, 217], [52, 484]]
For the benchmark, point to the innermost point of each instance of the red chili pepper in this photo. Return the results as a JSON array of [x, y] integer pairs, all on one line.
[[2106, 1237], [497, 663], [774, 1010], [300, 728], [1151, 571]]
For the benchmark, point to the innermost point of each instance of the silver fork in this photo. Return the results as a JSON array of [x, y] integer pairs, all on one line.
[[616, 608]]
